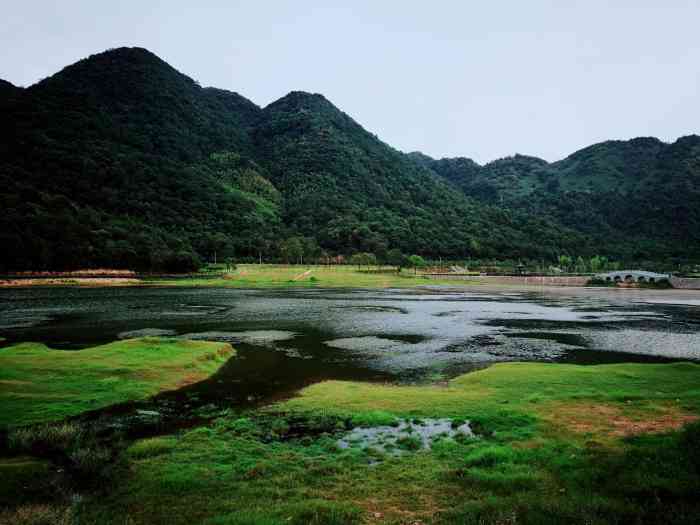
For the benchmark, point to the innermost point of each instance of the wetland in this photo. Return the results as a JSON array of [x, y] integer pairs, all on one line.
[[364, 405]]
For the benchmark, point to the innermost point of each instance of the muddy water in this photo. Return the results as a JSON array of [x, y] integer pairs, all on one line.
[[290, 338]]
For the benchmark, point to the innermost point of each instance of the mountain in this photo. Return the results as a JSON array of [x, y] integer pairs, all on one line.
[[637, 199], [7, 88], [350, 191], [109, 162], [120, 160]]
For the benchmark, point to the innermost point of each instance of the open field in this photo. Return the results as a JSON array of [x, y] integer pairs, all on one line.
[[554, 444], [40, 384], [254, 276], [290, 276]]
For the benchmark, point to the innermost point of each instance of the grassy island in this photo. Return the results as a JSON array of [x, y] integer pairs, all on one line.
[[39, 384]]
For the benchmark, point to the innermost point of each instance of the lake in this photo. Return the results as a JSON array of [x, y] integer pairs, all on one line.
[[290, 338]]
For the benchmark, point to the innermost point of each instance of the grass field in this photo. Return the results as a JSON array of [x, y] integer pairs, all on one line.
[[39, 384], [557, 444], [270, 275]]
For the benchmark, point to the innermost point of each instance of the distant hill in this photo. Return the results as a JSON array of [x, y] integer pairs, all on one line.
[[120, 160], [638, 199]]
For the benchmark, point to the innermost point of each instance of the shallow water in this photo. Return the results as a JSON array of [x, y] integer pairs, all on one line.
[[287, 339], [405, 435]]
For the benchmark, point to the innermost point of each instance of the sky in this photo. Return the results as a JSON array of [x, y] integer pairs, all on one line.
[[449, 78]]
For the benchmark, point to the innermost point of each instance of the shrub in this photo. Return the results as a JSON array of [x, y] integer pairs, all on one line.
[[43, 439], [37, 514], [409, 443], [489, 456], [375, 418], [90, 460]]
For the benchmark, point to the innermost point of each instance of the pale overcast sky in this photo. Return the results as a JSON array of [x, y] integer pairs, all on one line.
[[477, 79]]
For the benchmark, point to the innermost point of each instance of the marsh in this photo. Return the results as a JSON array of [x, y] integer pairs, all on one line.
[[290, 338]]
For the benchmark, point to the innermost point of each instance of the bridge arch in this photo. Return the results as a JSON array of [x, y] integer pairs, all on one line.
[[634, 276]]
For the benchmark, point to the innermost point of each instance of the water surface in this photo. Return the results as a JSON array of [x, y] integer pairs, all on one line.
[[290, 338]]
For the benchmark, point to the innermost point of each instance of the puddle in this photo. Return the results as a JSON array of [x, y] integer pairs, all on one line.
[[251, 337], [510, 347], [564, 338], [369, 343], [405, 436], [383, 309], [146, 332]]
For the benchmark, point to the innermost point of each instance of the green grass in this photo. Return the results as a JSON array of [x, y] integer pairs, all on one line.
[[295, 276], [546, 454], [39, 384]]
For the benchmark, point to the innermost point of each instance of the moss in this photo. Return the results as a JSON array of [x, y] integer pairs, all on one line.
[[40, 384]]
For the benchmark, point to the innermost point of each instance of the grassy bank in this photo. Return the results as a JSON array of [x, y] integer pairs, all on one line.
[[299, 276], [556, 444], [258, 276], [40, 384]]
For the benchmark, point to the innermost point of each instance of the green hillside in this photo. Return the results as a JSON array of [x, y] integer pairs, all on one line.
[[108, 163], [636, 199], [119, 160]]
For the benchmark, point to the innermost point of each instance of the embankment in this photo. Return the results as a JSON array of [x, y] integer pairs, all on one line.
[[529, 280]]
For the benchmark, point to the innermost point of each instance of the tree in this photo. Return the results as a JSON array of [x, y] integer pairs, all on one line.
[[291, 249], [395, 258], [370, 259], [597, 263], [417, 262], [216, 244], [565, 262], [261, 246], [182, 262], [474, 247], [363, 258], [310, 248], [230, 265]]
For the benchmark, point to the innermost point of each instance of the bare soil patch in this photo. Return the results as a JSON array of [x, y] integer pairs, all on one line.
[[617, 421]]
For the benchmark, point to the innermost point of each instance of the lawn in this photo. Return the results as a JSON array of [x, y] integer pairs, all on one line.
[[556, 444], [336, 276], [40, 384]]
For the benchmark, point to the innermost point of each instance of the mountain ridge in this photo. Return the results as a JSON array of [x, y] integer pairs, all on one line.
[[121, 160]]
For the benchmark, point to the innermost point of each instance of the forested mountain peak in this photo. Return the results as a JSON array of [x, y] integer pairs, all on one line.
[[6, 87], [118, 74], [420, 158], [688, 141], [301, 100], [518, 160], [304, 111]]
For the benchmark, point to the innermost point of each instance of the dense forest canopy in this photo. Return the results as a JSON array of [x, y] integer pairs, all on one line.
[[119, 160], [636, 199]]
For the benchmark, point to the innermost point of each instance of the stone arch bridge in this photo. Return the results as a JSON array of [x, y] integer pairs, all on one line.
[[634, 276]]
